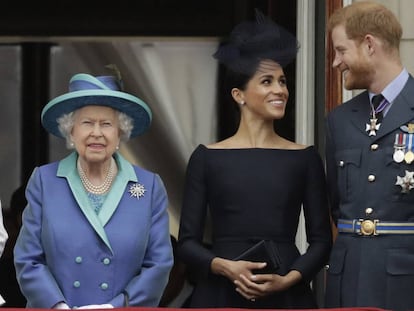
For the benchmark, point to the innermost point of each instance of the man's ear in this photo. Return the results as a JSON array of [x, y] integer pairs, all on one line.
[[371, 43]]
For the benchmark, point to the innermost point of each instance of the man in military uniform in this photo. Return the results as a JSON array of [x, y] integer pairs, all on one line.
[[370, 164]]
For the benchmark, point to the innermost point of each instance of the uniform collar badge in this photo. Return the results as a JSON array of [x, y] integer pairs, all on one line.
[[408, 128]]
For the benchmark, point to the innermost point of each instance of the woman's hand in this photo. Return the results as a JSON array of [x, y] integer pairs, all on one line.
[[61, 305], [261, 285], [234, 269]]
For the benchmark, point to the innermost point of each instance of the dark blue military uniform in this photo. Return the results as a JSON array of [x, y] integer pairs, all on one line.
[[372, 203]]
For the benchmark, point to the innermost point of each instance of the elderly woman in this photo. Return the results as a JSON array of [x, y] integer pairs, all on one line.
[[95, 232]]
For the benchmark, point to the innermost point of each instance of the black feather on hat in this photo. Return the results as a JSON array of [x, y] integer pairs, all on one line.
[[252, 41]]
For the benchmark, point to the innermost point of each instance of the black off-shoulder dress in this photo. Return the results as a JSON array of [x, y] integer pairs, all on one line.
[[251, 195]]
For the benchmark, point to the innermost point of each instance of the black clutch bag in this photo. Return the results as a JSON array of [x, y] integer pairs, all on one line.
[[263, 251]]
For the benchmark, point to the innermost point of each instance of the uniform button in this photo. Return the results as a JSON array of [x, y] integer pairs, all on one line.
[[104, 286], [76, 284], [374, 147], [106, 261], [371, 178], [341, 163], [369, 211], [78, 259]]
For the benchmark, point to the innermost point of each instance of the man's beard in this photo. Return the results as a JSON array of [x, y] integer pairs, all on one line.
[[358, 76]]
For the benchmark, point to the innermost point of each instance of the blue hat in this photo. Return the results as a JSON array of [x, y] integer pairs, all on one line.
[[85, 90]]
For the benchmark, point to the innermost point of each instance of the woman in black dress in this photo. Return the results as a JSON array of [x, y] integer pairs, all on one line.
[[254, 185]]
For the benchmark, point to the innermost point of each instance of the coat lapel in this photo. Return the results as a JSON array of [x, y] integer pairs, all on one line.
[[125, 174], [361, 110], [67, 169]]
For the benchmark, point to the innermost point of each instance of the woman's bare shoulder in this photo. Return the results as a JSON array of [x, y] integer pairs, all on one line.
[[287, 144], [223, 144]]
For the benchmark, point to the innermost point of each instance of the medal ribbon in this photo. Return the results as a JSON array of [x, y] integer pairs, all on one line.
[[399, 143], [381, 107], [405, 139], [399, 146]]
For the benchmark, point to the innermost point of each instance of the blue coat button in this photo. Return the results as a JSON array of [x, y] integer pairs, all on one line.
[[76, 284], [104, 286]]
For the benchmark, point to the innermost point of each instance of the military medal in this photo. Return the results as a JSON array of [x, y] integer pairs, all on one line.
[[406, 182], [376, 113], [398, 156], [399, 147], [409, 155], [372, 127]]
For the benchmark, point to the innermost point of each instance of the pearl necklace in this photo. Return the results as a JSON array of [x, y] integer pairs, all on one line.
[[104, 187]]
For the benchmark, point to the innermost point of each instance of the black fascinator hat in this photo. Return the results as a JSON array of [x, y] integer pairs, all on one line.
[[252, 41]]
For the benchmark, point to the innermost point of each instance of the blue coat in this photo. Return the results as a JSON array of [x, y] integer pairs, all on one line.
[[375, 271], [65, 252]]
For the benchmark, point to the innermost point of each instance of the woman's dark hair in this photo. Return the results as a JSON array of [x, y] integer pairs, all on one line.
[[234, 79], [249, 43]]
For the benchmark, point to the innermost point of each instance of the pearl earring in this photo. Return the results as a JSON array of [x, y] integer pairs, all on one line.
[[117, 147], [242, 102], [72, 144]]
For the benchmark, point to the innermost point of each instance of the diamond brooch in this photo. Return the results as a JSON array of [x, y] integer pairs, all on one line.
[[137, 190]]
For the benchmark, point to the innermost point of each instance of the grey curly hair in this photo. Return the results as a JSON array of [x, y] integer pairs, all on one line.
[[66, 122]]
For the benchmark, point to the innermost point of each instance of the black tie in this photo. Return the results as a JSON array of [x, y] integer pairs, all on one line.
[[376, 100]]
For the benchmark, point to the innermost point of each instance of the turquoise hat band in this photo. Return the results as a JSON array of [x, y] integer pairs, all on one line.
[[80, 81]]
